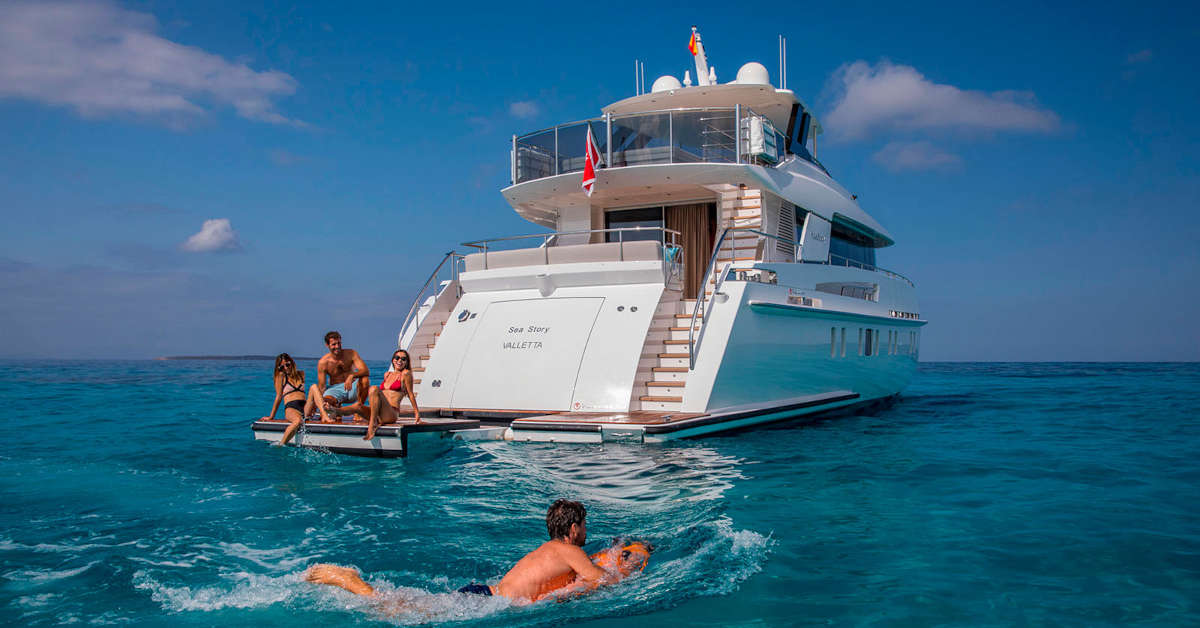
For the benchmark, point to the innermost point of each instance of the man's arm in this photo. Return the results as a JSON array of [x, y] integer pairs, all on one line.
[[578, 560], [359, 369], [322, 371]]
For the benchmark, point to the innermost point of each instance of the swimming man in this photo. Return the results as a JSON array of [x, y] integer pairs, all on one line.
[[348, 377], [558, 563]]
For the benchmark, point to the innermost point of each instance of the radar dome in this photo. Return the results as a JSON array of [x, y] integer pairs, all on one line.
[[753, 73], [666, 84]]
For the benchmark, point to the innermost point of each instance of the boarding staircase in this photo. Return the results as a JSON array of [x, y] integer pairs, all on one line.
[[741, 213], [663, 365]]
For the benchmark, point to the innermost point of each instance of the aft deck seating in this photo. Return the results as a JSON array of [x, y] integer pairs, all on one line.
[[641, 250]]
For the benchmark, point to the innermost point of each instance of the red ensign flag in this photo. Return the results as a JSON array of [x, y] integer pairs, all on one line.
[[692, 44], [590, 162]]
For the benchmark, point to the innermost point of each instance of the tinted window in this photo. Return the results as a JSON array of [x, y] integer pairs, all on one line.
[[848, 248], [646, 217]]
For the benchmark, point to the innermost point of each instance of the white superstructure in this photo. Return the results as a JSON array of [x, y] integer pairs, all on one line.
[[717, 278]]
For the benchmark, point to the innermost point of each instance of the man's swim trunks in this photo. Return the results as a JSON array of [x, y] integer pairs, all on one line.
[[342, 395], [476, 589]]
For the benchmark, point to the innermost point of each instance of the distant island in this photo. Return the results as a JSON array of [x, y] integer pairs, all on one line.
[[225, 357]]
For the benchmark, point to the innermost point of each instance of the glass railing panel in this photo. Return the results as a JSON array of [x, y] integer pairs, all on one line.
[[641, 139], [703, 136], [572, 144], [534, 156]]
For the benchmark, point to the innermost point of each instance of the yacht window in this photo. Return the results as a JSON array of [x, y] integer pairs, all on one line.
[[850, 248], [867, 344], [644, 217], [833, 342], [860, 342], [843, 342]]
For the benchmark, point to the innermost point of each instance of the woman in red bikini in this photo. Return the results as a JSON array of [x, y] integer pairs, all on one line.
[[385, 398]]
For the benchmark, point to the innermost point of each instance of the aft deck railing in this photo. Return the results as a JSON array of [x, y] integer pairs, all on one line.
[[690, 135], [669, 237]]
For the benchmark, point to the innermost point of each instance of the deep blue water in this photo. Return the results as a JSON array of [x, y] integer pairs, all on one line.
[[991, 494]]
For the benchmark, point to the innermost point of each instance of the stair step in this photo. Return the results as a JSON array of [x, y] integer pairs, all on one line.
[[737, 259], [418, 369], [661, 399], [422, 357], [675, 342], [684, 328], [672, 355], [670, 369]]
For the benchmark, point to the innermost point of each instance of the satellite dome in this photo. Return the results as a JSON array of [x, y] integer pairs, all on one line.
[[665, 84], [753, 73]]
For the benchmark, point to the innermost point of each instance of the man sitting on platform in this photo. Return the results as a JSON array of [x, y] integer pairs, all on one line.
[[348, 381]]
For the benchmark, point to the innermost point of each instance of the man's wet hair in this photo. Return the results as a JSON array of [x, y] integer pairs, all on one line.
[[561, 515], [333, 334]]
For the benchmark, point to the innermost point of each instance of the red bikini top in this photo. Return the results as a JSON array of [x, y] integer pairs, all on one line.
[[397, 384]]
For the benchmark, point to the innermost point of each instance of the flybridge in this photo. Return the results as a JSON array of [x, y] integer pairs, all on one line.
[[745, 121]]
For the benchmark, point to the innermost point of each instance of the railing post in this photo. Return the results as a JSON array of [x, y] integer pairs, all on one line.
[[608, 145], [671, 134], [555, 150], [514, 159], [621, 245], [737, 134], [485, 264]]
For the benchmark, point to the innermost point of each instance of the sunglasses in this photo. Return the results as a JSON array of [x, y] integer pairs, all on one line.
[[401, 358]]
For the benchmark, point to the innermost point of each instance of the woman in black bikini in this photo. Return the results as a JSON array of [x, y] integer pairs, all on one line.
[[289, 388], [385, 398]]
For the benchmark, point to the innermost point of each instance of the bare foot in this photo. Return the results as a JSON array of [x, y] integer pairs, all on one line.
[[370, 434]]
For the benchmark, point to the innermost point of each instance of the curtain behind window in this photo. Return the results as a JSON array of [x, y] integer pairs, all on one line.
[[696, 224]]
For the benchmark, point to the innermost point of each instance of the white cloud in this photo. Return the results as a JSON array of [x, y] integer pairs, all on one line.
[[101, 59], [524, 109], [887, 97], [901, 156], [215, 235]]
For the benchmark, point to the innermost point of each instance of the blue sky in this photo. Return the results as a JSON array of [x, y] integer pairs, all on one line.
[[182, 178]]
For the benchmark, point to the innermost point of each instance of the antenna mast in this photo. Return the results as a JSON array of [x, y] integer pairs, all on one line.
[[702, 71]]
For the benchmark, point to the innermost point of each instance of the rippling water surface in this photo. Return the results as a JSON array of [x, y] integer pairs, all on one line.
[[991, 494]]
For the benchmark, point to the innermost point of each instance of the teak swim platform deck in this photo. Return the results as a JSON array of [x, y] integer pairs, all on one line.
[[639, 426]]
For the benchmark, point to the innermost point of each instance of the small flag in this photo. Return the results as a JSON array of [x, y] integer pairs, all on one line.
[[590, 162], [692, 44]]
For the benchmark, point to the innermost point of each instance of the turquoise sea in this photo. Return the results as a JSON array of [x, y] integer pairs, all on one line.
[[991, 494]]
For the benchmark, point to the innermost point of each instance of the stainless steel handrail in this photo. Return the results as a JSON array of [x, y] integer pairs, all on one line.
[[620, 231], [849, 263], [412, 311], [701, 298]]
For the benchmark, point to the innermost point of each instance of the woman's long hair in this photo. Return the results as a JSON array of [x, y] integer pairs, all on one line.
[[286, 365]]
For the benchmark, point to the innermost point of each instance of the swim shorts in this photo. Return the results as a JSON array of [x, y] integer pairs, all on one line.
[[476, 589], [342, 395]]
